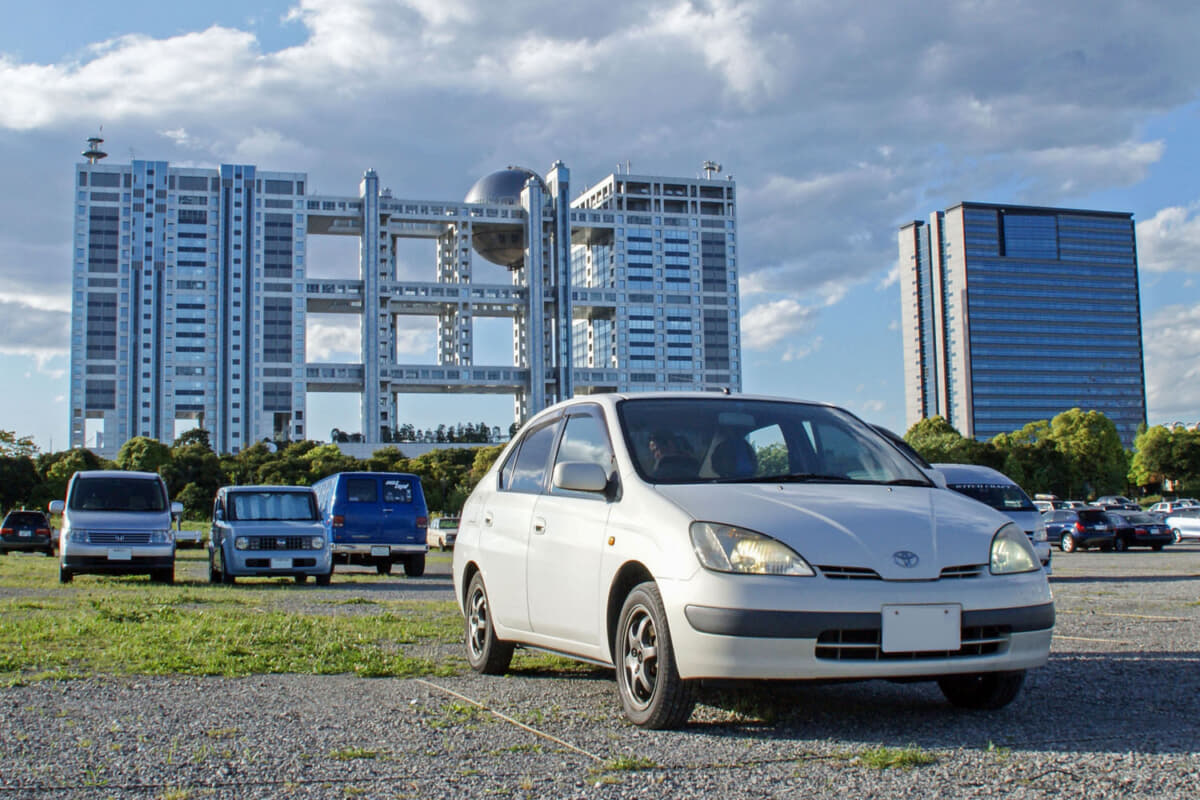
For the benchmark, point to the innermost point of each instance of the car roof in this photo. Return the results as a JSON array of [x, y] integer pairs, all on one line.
[[610, 399], [114, 473], [964, 473]]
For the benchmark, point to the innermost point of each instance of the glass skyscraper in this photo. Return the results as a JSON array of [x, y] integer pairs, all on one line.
[[1013, 314]]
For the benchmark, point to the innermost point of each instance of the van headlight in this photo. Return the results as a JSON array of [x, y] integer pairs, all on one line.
[[317, 542], [77, 535], [1011, 552], [725, 548], [162, 537], [242, 543]]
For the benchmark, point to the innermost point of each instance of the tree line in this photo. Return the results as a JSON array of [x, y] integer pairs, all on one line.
[[1077, 454], [193, 471]]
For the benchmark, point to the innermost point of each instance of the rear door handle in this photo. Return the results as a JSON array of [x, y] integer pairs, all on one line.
[[539, 525], [487, 519]]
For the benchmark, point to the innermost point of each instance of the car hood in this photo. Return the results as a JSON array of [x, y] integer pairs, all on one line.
[[119, 520], [860, 525]]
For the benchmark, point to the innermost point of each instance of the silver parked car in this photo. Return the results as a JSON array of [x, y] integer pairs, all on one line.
[[268, 531], [1184, 524]]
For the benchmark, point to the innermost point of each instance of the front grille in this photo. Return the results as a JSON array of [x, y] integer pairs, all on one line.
[[864, 645], [963, 571], [279, 543], [849, 573], [119, 537]]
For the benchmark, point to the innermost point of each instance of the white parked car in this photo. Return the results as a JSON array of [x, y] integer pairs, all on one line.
[[1184, 524], [685, 536]]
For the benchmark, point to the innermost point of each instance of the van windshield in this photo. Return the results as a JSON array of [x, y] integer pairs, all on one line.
[[272, 506], [118, 494], [998, 496]]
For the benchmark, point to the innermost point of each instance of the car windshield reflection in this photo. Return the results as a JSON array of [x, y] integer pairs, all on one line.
[[718, 440]]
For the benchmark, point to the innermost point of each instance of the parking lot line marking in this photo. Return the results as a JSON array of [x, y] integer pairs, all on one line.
[[1086, 639], [510, 720]]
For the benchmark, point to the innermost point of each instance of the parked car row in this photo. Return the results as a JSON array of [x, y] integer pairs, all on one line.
[[119, 523]]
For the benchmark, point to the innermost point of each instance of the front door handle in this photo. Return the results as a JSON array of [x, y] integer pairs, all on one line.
[[487, 519], [539, 525]]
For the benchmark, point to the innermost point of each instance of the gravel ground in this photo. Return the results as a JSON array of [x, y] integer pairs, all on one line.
[[1116, 713]]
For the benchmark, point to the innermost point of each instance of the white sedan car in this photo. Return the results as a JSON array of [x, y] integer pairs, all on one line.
[[1184, 524], [678, 537]]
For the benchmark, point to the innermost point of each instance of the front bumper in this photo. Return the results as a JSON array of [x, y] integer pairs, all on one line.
[[258, 563], [103, 565]]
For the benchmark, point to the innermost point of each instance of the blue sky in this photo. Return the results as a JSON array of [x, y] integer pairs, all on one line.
[[839, 124]]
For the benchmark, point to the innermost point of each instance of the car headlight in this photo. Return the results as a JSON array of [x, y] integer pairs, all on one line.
[[77, 535], [1039, 531], [1011, 552], [241, 543], [725, 548], [317, 542], [161, 537]]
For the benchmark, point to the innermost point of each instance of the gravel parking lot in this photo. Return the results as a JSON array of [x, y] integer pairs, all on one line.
[[1116, 713]]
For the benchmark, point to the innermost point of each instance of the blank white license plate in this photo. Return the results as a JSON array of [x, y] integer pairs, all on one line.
[[924, 628], [381, 551], [25, 534], [120, 554], [281, 563]]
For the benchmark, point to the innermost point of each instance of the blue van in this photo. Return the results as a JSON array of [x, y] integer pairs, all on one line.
[[377, 518]]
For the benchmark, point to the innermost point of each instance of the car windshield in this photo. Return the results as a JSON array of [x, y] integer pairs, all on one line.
[[269, 505], [997, 495], [118, 493], [722, 439]]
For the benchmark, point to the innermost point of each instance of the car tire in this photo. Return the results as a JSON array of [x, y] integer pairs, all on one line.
[[49, 551], [1156, 548], [986, 691], [652, 693], [1175, 533], [64, 575], [414, 566], [323, 580], [486, 654], [214, 574], [165, 575], [1067, 543], [226, 577], [1120, 545], [300, 579], [383, 567]]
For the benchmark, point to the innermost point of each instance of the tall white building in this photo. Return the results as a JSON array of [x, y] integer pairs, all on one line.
[[191, 289]]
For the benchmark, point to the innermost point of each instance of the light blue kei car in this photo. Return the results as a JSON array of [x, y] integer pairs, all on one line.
[[268, 531]]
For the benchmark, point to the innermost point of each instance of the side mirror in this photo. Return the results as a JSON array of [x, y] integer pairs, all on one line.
[[580, 476], [57, 506]]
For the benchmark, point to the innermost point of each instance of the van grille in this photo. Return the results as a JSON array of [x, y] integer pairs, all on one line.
[[119, 537], [864, 645], [279, 543]]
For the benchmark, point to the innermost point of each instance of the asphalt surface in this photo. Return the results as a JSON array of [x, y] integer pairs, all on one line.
[[1116, 713]]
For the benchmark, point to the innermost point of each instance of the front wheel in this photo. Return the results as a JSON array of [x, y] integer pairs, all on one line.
[[300, 578], [64, 575], [652, 693], [214, 574], [1175, 533], [485, 653], [227, 577], [166, 575], [414, 566], [1067, 543], [1120, 545], [1156, 548], [986, 691]]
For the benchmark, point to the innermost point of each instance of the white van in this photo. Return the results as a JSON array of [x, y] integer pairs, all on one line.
[[999, 491], [116, 523]]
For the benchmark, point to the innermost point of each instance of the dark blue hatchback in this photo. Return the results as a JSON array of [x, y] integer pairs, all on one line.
[[1079, 528]]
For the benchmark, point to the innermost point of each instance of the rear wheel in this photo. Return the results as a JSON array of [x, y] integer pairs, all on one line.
[[384, 567], [1156, 548], [414, 566], [485, 653], [165, 575], [1175, 533], [652, 693], [986, 691], [1067, 543]]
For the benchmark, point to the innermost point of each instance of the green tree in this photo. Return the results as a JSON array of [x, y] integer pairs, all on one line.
[[1096, 462], [13, 445], [1033, 460], [144, 454], [481, 462], [939, 442], [194, 474], [18, 479], [56, 470], [1153, 458]]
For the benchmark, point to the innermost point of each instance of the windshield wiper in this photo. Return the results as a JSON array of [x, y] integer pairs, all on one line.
[[795, 477], [906, 482]]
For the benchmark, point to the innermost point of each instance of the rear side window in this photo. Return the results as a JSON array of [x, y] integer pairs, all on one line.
[[397, 490], [529, 471], [118, 494], [362, 490], [1091, 515]]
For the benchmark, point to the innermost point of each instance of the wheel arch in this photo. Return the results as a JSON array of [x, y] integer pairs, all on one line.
[[469, 572], [628, 576]]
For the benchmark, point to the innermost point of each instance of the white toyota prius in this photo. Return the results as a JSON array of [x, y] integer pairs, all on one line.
[[678, 537]]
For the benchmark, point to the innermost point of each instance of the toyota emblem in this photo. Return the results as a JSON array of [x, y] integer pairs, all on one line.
[[905, 558]]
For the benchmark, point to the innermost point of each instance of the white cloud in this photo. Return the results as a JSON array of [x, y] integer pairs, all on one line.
[[1170, 240], [28, 330], [766, 325], [332, 341], [1172, 345]]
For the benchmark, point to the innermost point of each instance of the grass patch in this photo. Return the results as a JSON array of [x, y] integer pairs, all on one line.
[[129, 626], [896, 757], [352, 753]]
